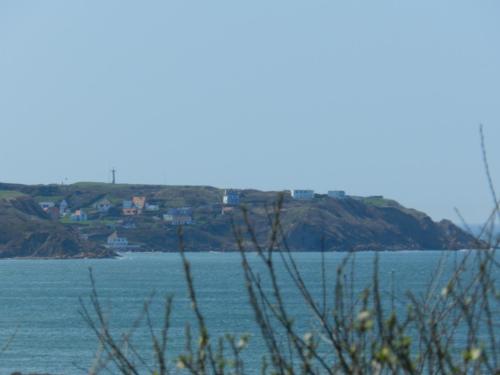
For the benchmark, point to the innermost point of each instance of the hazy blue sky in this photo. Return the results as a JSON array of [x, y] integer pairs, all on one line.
[[374, 97]]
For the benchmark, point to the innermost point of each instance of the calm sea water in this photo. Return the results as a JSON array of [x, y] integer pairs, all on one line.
[[39, 300]]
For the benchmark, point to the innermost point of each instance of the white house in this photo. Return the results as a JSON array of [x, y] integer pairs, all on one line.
[[337, 194], [116, 242], [152, 207], [302, 194], [63, 207], [103, 205]]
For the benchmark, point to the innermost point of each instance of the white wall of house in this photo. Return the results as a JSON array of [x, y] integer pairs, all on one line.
[[302, 194], [118, 242], [178, 219]]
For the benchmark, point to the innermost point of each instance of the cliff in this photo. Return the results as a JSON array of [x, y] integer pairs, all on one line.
[[27, 231], [350, 224]]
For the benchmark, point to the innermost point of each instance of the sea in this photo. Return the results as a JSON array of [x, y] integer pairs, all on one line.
[[41, 301]]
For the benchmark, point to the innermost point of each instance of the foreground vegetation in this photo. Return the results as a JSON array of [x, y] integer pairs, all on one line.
[[453, 328]]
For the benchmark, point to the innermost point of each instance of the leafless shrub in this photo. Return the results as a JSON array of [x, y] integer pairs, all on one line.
[[451, 329]]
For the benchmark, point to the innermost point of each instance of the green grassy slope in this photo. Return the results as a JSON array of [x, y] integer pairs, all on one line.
[[349, 224]]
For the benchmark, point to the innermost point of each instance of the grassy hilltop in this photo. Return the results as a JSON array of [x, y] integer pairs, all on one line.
[[349, 224]]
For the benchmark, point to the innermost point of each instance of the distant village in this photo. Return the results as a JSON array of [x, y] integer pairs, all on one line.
[[137, 206]]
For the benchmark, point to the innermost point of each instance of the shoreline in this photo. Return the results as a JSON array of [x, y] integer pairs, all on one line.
[[121, 254]]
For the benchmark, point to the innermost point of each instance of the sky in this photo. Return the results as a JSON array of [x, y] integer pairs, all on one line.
[[372, 97]]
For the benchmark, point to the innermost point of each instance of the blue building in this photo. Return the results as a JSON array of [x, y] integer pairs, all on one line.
[[179, 216], [231, 197]]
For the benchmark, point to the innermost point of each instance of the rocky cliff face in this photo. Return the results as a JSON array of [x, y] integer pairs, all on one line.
[[325, 223], [26, 231], [351, 224]]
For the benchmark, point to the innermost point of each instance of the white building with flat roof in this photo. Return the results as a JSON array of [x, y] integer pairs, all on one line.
[[116, 242], [303, 195], [152, 207], [337, 194]]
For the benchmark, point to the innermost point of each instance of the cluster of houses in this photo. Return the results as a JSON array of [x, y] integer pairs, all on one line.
[[51, 209], [130, 207], [61, 210], [137, 205]]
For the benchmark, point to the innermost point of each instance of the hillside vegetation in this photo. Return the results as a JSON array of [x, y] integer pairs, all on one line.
[[350, 224], [26, 231]]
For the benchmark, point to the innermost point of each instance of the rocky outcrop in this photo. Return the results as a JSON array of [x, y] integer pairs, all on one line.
[[26, 231], [329, 224], [351, 224]]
